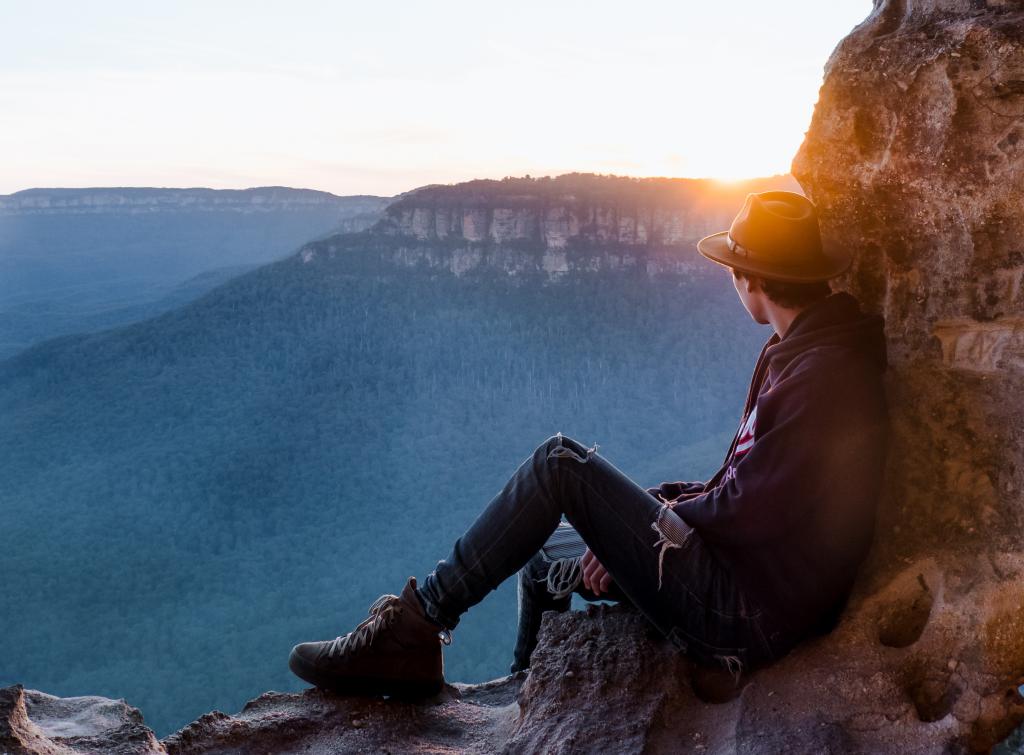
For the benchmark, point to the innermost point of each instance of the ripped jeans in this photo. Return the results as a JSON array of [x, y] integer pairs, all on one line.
[[657, 562]]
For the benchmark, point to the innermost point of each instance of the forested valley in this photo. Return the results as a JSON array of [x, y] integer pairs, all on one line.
[[185, 498]]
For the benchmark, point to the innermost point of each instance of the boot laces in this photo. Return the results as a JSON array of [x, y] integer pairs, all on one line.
[[382, 613], [564, 576]]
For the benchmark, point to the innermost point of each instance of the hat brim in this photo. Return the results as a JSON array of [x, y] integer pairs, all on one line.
[[716, 248]]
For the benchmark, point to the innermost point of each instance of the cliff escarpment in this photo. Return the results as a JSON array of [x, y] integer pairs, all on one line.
[[555, 212], [552, 226]]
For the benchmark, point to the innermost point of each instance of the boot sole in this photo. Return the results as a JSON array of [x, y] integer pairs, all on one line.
[[406, 689]]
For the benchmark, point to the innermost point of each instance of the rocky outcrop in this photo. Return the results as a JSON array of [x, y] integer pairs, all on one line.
[[915, 158], [464, 718], [551, 226], [33, 723], [600, 682], [862, 689]]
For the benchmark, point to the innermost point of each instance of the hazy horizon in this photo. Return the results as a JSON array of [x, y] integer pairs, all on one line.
[[114, 187], [365, 100]]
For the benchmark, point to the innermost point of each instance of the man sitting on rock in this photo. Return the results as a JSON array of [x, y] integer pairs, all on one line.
[[734, 571]]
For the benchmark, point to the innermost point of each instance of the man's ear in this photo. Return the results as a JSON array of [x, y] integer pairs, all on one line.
[[753, 283]]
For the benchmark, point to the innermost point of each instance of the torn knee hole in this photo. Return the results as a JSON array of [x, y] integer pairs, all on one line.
[[563, 451]]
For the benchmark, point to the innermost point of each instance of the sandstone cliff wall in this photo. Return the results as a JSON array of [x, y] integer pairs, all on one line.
[[553, 226], [915, 157]]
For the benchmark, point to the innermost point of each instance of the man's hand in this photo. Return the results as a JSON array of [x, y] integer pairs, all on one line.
[[670, 492], [595, 577]]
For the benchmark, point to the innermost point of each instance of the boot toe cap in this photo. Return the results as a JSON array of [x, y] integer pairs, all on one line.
[[302, 659]]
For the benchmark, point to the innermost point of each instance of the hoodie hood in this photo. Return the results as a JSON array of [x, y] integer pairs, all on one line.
[[836, 320]]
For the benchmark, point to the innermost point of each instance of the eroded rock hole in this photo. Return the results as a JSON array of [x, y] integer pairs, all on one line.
[[716, 686], [933, 697], [902, 622]]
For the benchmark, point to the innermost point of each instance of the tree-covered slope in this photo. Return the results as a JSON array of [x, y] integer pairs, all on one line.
[[77, 260]]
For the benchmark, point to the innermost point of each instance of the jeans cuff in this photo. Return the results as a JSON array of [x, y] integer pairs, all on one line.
[[435, 613]]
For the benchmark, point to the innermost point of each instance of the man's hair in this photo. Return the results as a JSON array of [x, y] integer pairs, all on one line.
[[791, 295]]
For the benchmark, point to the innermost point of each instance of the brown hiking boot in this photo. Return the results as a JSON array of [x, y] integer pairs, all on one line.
[[396, 651]]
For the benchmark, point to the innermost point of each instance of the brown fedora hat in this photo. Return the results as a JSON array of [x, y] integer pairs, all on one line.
[[775, 236]]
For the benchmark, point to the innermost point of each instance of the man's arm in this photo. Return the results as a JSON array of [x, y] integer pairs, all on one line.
[[810, 427]]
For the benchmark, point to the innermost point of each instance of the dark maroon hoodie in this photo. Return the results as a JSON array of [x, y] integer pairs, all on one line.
[[792, 510]]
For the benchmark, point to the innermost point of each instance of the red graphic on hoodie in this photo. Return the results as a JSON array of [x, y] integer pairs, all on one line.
[[746, 438]]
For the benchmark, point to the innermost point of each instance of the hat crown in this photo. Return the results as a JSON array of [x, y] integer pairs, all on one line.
[[776, 236], [777, 227]]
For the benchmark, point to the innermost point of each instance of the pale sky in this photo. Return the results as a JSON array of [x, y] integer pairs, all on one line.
[[381, 97]]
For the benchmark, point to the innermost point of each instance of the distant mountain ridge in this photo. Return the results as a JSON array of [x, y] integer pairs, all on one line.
[[79, 260], [149, 199]]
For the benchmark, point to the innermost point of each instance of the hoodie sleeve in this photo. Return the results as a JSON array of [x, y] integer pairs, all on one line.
[[767, 491]]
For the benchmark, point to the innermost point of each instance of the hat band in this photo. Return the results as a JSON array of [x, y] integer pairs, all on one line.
[[735, 247]]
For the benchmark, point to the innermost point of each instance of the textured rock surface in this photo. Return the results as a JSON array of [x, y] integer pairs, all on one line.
[[881, 682], [464, 718], [32, 723], [915, 157], [470, 719]]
